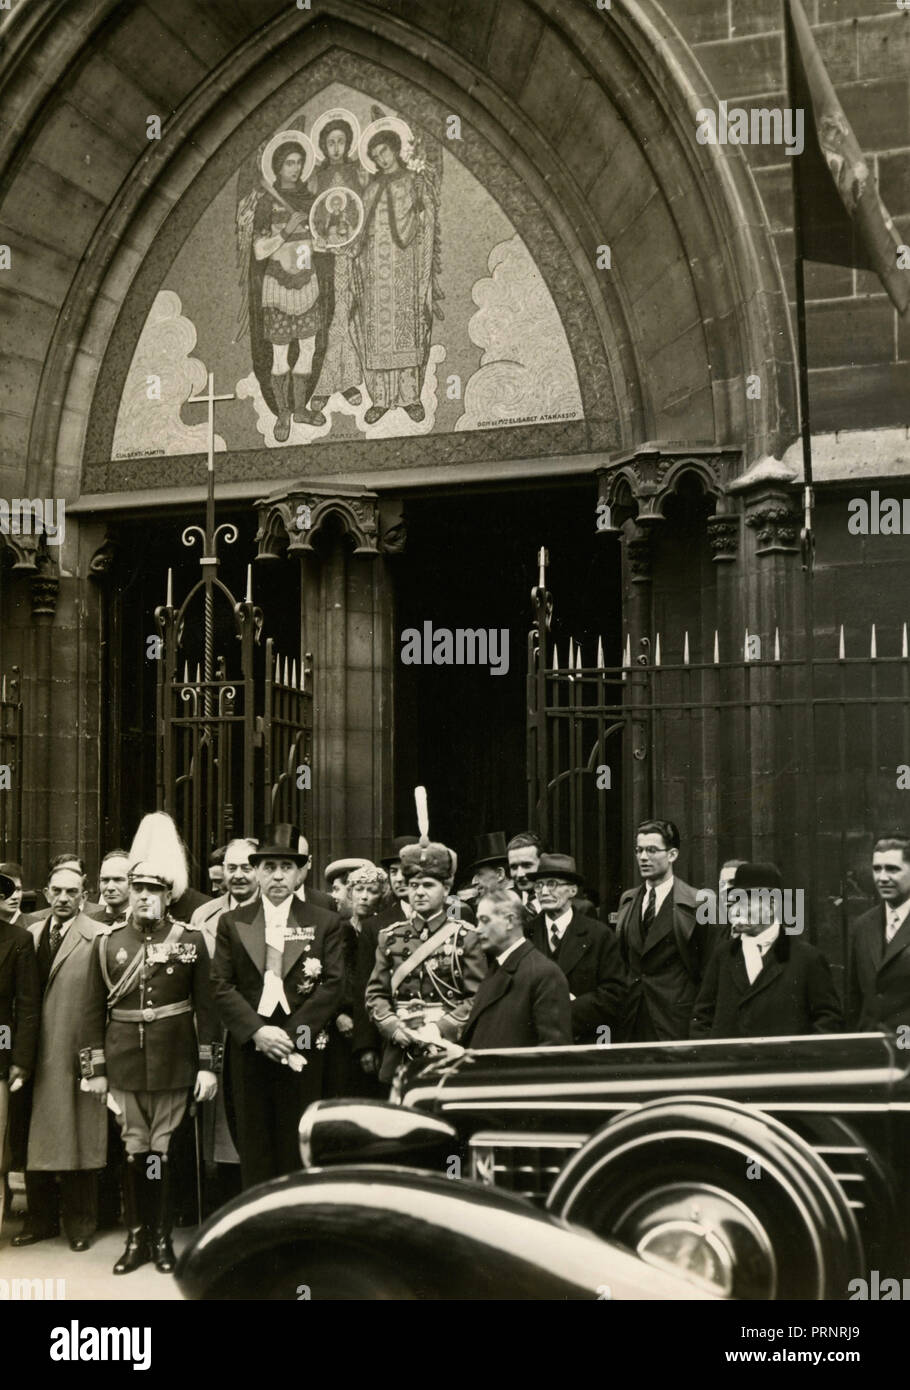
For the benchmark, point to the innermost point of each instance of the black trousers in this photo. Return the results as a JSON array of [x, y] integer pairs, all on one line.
[[269, 1100], [74, 1205]]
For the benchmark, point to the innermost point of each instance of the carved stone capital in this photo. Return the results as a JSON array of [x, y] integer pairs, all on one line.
[[23, 550], [723, 537], [45, 589], [776, 523], [640, 482], [290, 520]]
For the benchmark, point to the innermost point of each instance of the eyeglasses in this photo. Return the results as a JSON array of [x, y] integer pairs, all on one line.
[[552, 883], [651, 851]]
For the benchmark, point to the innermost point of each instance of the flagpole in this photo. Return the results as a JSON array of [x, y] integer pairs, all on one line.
[[802, 346]]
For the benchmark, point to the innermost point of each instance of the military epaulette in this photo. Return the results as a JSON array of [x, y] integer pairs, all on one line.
[[393, 926]]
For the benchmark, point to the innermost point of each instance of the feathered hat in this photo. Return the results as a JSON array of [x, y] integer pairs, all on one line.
[[157, 854], [426, 858]]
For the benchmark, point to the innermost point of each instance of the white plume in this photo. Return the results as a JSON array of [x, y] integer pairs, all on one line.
[[423, 814], [158, 846]]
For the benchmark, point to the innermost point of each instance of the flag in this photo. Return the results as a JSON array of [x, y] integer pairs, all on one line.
[[841, 216]]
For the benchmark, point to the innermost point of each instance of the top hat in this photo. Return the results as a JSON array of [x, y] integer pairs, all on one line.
[[392, 851], [281, 841], [7, 886], [491, 849], [557, 866], [758, 876]]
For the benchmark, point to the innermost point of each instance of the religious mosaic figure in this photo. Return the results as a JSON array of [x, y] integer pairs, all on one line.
[[335, 219], [289, 282], [395, 271]]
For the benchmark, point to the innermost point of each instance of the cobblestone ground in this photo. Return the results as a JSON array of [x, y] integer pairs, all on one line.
[[86, 1275]]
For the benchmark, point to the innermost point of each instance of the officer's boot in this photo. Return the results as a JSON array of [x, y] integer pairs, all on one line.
[[136, 1252], [163, 1219]]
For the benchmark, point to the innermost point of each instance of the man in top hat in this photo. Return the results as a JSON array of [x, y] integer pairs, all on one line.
[[491, 863], [665, 948], [585, 950], [764, 983], [150, 1038], [428, 963], [278, 979], [524, 1000]]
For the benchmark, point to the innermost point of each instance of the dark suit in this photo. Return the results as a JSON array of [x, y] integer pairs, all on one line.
[[878, 981], [522, 1003], [665, 969], [590, 959], [269, 1098], [791, 995], [316, 898], [344, 1076], [20, 1000]]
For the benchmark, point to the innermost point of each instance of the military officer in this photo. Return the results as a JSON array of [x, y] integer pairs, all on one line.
[[428, 965], [148, 982]]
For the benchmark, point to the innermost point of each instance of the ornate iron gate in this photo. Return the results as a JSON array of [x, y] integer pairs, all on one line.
[[789, 751], [11, 760]]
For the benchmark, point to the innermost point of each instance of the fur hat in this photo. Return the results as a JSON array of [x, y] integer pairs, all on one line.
[[432, 859], [157, 854]]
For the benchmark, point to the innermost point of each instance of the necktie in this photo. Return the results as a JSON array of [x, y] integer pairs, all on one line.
[[554, 939], [647, 916], [893, 927], [56, 936]]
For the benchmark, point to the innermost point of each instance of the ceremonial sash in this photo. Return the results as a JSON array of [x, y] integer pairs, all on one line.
[[426, 948], [130, 977]]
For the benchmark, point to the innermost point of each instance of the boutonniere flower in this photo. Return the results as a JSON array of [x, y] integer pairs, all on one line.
[[322, 1040], [313, 968]]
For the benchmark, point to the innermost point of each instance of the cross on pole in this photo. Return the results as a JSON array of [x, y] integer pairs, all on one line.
[[209, 399]]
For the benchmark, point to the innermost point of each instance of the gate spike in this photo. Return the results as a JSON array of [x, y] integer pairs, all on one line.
[[170, 589], [746, 646], [186, 673], [277, 670], [198, 674], [294, 673], [600, 651], [841, 648], [777, 644], [716, 649], [686, 648], [657, 651], [873, 652], [904, 651], [286, 671], [579, 664], [555, 657], [571, 653], [627, 654]]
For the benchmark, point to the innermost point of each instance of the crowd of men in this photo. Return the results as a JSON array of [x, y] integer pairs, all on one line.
[[160, 1018]]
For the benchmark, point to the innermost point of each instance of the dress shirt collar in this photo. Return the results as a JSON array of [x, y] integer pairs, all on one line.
[[765, 939], [561, 922], [897, 914], [504, 955], [660, 893], [277, 916]]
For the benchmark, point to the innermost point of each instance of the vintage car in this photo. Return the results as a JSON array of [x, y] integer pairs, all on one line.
[[762, 1169]]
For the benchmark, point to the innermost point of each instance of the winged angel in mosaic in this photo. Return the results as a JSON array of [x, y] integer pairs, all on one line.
[[339, 255]]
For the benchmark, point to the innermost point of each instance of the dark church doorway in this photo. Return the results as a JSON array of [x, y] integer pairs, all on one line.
[[471, 562]]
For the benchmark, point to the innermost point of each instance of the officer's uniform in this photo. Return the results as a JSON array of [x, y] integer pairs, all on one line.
[[439, 990], [144, 989]]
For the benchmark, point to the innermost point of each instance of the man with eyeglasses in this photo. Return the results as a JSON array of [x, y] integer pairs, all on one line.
[[664, 948], [584, 949]]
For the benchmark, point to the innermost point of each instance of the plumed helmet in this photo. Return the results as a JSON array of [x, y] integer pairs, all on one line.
[[432, 859], [157, 853]]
